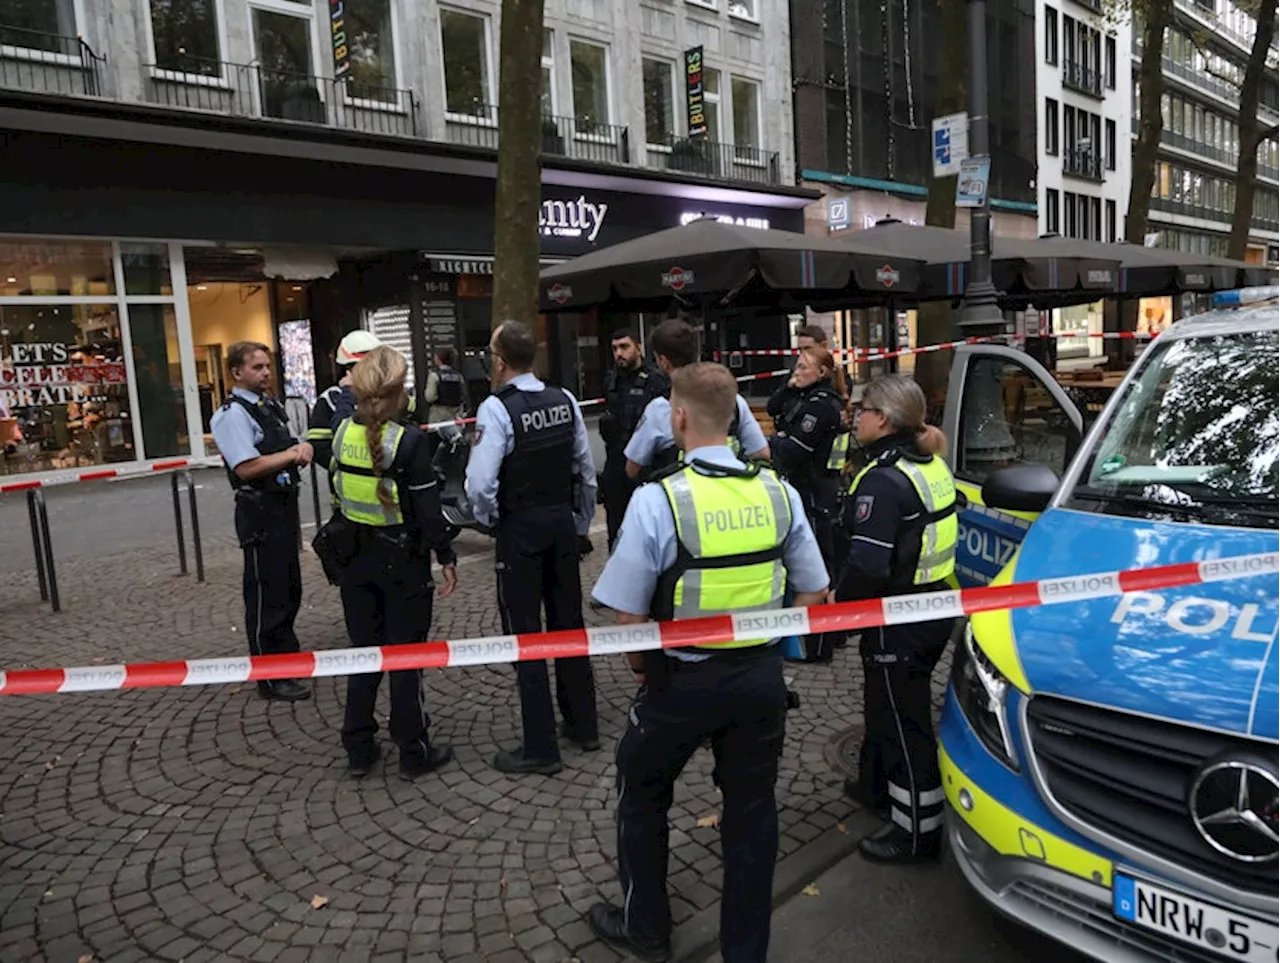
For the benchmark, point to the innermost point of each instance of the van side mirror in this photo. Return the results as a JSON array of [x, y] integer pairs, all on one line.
[[1020, 488]]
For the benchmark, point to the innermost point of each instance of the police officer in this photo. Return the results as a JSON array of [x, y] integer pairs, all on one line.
[[262, 457], [709, 536], [653, 447], [629, 386], [446, 389], [809, 448], [531, 476], [320, 426], [382, 477], [902, 523]]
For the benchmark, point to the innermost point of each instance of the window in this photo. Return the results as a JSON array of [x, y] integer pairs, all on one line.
[[1111, 63], [184, 35], [464, 40], [711, 102], [1051, 215], [1050, 36], [1095, 219], [548, 74], [743, 8], [589, 64], [1111, 222], [1068, 39], [48, 25], [1051, 126], [659, 101], [1069, 128], [282, 43], [1069, 210], [1083, 225], [371, 50], [746, 116], [1111, 145]]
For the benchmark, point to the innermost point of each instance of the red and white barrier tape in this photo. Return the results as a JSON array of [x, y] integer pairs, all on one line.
[[611, 640], [101, 474], [863, 354]]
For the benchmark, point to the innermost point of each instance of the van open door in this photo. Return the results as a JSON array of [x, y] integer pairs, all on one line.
[[1003, 408]]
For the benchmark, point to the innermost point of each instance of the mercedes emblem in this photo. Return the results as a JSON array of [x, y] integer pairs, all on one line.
[[1235, 805]]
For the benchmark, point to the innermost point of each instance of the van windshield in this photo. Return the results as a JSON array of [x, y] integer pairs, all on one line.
[[1197, 435]]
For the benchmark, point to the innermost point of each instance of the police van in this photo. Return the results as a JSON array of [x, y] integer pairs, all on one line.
[[1111, 765]]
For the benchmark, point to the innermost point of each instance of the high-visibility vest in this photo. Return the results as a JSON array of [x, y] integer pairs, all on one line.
[[839, 452], [938, 526], [356, 484], [730, 530]]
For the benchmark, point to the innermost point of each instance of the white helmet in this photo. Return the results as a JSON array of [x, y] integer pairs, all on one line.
[[355, 345]]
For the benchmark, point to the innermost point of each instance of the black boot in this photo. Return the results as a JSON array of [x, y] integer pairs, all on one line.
[[283, 690], [856, 790], [609, 923], [514, 762], [892, 844], [415, 764], [361, 760], [586, 745]]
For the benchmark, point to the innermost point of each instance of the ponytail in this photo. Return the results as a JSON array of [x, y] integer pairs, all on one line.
[[378, 382]]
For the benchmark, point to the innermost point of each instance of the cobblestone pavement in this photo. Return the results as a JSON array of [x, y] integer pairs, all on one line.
[[206, 824]]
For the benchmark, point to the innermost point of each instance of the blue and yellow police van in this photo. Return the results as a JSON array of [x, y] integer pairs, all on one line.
[[1110, 765]]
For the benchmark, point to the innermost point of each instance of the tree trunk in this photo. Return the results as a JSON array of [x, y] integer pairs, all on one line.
[[1251, 136], [1158, 15], [933, 320], [519, 193]]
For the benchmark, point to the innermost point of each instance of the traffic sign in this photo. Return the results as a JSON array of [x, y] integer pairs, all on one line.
[[950, 143]]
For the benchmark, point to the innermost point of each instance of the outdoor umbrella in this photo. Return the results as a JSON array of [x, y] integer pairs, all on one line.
[[1152, 271], [708, 262]]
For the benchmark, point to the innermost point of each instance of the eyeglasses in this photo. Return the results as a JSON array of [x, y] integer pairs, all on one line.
[[859, 408]]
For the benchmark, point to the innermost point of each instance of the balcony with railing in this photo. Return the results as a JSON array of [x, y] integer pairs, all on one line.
[[1085, 164], [49, 63], [1082, 79], [581, 138], [705, 158], [250, 90]]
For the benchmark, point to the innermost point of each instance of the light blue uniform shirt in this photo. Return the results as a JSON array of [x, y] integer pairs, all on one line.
[[653, 434], [495, 440], [235, 432], [647, 543]]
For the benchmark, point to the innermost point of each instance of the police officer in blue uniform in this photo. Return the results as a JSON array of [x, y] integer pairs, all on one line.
[[708, 536], [531, 476], [629, 386], [653, 447], [262, 458]]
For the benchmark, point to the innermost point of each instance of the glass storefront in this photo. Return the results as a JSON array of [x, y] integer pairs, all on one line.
[[90, 360], [1074, 325]]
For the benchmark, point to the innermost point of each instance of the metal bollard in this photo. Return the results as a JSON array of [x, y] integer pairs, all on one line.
[[50, 570], [37, 544], [195, 525], [177, 524]]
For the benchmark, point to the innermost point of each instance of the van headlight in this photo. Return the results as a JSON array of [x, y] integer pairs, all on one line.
[[981, 691]]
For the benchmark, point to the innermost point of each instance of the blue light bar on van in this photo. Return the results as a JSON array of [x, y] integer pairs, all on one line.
[[1234, 299]]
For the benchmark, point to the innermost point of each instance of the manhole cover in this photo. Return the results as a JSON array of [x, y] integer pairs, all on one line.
[[842, 749]]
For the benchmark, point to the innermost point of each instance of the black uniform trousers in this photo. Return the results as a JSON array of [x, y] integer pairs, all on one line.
[[386, 598], [616, 490], [821, 500], [737, 700], [268, 530], [898, 767], [537, 566]]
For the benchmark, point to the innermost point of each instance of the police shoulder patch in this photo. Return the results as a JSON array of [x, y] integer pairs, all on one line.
[[862, 506], [808, 423]]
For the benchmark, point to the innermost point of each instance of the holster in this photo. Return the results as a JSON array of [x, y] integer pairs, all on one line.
[[250, 517], [335, 545]]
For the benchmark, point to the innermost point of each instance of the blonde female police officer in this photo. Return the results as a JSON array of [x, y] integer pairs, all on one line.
[[902, 527], [708, 536], [385, 487]]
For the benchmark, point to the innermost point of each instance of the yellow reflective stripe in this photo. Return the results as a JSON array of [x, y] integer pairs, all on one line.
[[993, 632], [973, 493], [319, 434], [1011, 835], [839, 452]]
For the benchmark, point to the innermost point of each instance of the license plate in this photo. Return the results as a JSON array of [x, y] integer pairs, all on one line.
[[1193, 921]]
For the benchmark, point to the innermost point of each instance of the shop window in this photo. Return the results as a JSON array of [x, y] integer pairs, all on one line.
[[56, 269], [372, 51], [153, 334], [62, 378], [659, 101], [589, 64], [146, 269], [746, 117], [184, 35], [464, 39], [48, 25], [548, 74]]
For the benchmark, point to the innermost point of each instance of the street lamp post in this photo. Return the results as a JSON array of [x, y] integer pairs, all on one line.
[[980, 313]]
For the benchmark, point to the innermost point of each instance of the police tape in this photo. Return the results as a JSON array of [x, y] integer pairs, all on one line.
[[873, 354], [54, 479], [642, 637]]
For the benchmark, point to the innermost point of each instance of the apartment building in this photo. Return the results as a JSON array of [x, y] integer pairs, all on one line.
[[182, 174], [1084, 98], [1193, 198]]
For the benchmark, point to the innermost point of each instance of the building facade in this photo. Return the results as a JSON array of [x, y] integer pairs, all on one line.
[[287, 170], [1193, 198], [1084, 98]]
